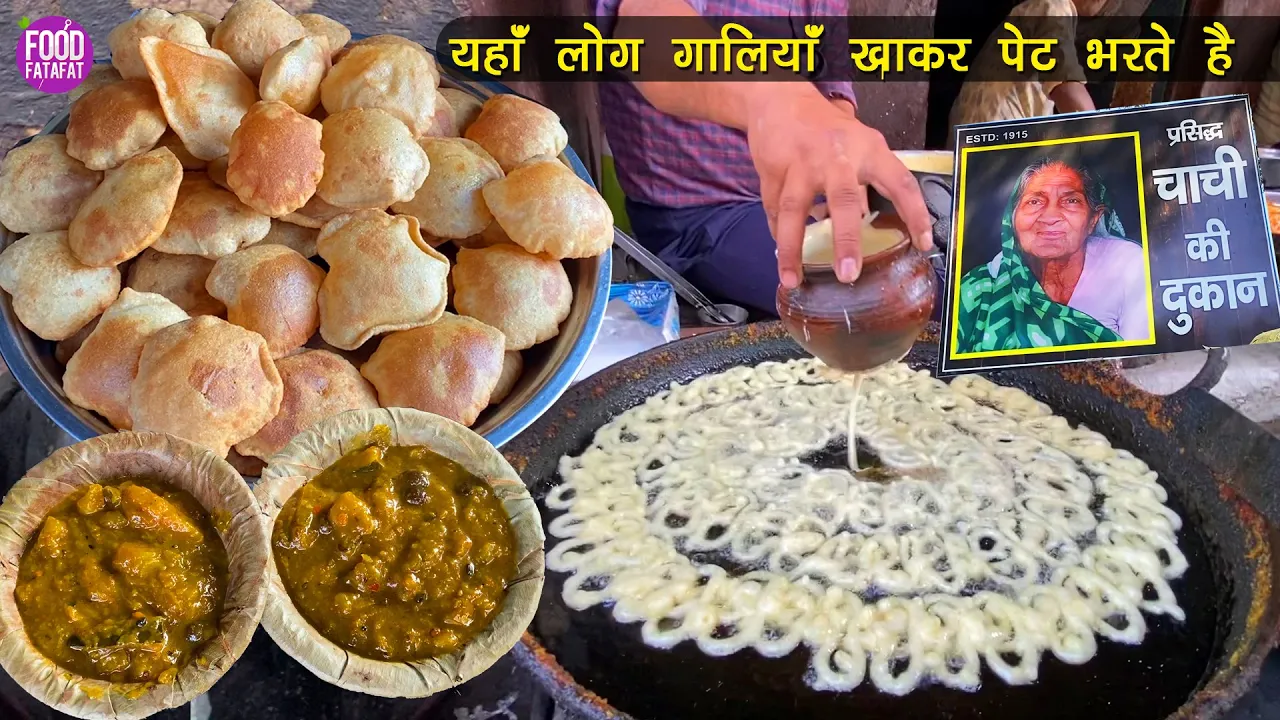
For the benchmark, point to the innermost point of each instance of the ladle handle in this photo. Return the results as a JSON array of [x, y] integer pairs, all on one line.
[[683, 287]]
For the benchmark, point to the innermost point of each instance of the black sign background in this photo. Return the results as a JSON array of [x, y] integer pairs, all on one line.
[[1167, 222]]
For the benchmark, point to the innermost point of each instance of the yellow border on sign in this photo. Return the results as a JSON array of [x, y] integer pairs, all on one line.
[[959, 253]]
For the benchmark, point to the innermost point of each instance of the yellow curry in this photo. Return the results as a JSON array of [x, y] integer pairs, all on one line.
[[395, 552], [123, 582]]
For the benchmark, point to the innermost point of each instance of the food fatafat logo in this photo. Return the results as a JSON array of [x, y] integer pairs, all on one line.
[[54, 54]]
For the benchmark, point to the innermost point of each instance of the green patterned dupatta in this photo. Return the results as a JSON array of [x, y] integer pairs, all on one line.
[[1011, 311]]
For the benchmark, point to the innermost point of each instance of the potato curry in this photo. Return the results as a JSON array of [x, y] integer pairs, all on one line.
[[123, 582], [395, 552]]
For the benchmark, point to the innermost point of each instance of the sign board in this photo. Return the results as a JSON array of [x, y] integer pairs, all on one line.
[[1109, 234]]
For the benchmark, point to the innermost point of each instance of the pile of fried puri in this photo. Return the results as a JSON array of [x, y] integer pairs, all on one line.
[[170, 233]]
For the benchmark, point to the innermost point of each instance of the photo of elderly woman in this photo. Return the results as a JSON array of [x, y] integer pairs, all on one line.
[[1065, 272]]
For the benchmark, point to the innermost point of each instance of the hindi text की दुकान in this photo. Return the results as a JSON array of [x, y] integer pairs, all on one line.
[[739, 51], [1224, 177]]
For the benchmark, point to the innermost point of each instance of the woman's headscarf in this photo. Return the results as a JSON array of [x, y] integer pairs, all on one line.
[[1011, 311]]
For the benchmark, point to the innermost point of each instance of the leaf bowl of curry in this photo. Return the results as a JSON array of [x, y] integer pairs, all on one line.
[[131, 575], [408, 552]]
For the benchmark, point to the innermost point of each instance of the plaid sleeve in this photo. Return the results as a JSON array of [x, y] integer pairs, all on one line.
[[835, 80], [838, 89]]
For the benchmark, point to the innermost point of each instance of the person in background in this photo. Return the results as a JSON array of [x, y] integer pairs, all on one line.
[[1062, 89], [721, 175], [1065, 274]]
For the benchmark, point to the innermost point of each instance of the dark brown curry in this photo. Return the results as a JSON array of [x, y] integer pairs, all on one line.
[[395, 552], [123, 582]]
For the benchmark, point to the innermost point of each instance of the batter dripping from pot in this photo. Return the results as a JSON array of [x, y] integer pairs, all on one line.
[[1005, 533]]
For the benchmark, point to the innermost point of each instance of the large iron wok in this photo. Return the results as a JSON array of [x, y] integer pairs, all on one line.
[[1223, 474]]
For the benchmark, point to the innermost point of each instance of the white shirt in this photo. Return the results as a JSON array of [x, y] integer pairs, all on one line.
[[1112, 288]]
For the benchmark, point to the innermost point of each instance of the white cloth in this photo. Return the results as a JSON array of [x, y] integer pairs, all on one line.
[[1112, 288]]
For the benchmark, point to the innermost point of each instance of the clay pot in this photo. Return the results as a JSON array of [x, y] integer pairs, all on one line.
[[865, 324]]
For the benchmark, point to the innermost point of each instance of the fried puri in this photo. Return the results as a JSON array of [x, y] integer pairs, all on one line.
[[98, 76], [210, 221], [449, 368], [395, 40], [394, 77], [207, 381], [335, 32], [382, 277], [301, 240], [292, 75], [317, 385], [217, 172], [514, 130], [526, 296], [128, 212], [63, 351], [54, 294], [101, 372], [253, 30], [203, 93], [275, 160], [545, 208], [42, 187], [270, 290], [443, 123], [449, 203], [314, 214], [465, 106], [207, 21], [171, 140], [180, 278], [370, 160], [114, 123], [512, 368], [150, 22]]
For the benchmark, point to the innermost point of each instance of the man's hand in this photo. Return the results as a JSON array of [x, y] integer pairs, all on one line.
[[1069, 97], [804, 146]]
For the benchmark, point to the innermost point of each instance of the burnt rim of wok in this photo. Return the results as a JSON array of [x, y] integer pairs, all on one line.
[[1233, 459]]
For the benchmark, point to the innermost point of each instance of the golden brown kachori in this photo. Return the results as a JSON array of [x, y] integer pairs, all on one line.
[[270, 290], [180, 278], [370, 160], [54, 294], [210, 221], [275, 160], [203, 93], [512, 368], [382, 277], [449, 203], [150, 22], [42, 187], [526, 296], [100, 373], [545, 208], [317, 385], [449, 368], [253, 30], [514, 130], [207, 381], [465, 106], [127, 212], [293, 73], [335, 32], [116, 122]]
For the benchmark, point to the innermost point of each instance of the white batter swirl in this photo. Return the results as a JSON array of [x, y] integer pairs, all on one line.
[[1009, 533]]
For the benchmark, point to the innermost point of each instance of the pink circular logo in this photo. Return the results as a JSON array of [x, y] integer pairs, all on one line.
[[54, 54]]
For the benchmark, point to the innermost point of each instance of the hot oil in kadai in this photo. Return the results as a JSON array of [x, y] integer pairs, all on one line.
[[1147, 680]]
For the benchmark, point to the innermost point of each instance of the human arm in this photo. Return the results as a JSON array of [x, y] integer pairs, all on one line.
[[1069, 97], [802, 146]]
